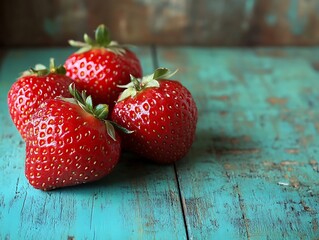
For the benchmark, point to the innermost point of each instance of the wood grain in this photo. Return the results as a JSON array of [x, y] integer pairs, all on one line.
[[253, 170]]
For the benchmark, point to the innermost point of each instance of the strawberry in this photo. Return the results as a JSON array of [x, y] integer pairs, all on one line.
[[69, 142], [162, 115], [101, 65], [32, 88]]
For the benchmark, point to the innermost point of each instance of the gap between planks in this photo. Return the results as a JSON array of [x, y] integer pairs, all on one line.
[[180, 195]]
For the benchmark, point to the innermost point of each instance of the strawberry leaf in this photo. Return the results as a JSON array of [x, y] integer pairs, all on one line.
[[39, 67], [41, 70], [77, 43], [89, 103], [138, 84], [83, 106], [101, 111], [110, 130], [102, 35], [114, 47], [84, 49], [102, 40], [74, 92], [146, 79], [153, 83], [60, 70], [70, 100], [160, 72], [163, 73], [88, 39], [83, 95], [123, 129], [126, 85], [129, 92]]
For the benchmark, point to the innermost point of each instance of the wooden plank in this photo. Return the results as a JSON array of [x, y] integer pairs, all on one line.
[[137, 201], [252, 172]]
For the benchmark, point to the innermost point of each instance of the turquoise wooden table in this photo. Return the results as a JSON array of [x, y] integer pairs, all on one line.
[[252, 172]]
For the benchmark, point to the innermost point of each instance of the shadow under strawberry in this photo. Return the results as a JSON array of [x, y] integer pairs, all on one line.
[[210, 147], [131, 174]]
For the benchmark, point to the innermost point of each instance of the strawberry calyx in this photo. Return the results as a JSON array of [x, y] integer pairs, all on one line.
[[99, 111], [139, 84], [102, 40], [41, 70]]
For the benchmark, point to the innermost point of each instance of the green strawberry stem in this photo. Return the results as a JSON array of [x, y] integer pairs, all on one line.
[[41, 70], [99, 111], [102, 40], [139, 84], [59, 69]]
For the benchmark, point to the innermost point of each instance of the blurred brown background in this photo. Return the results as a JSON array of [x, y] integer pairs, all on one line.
[[178, 22]]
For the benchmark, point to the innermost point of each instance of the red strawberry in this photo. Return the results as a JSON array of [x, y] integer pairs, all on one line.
[[101, 65], [163, 115], [69, 142], [32, 88]]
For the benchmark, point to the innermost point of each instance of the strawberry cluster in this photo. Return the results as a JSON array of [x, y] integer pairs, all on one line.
[[76, 118]]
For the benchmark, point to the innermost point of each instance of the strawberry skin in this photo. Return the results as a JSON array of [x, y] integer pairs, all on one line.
[[29, 91], [163, 120], [99, 71], [101, 65], [67, 146]]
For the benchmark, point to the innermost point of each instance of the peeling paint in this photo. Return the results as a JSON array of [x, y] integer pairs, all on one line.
[[252, 171], [237, 151], [288, 163], [292, 150], [220, 98], [294, 182], [277, 100]]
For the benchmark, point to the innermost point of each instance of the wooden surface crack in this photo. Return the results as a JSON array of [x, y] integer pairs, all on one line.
[[17, 184], [91, 214], [251, 173], [243, 210], [182, 201], [180, 195]]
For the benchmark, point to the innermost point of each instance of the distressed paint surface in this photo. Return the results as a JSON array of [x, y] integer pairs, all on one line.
[[137, 201], [200, 22], [253, 170]]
